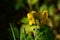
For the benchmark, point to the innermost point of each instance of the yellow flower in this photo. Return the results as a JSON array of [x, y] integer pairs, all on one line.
[[44, 17], [44, 14], [31, 18], [31, 21]]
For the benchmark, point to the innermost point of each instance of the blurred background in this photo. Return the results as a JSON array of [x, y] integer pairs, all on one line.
[[12, 11]]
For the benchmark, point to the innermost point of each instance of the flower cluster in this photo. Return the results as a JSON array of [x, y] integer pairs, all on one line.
[[43, 17], [31, 18]]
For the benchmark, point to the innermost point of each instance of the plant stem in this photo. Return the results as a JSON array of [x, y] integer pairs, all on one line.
[[30, 6], [12, 32]]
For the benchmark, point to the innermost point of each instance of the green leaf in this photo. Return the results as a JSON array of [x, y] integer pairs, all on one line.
[[58, 4], [12, 32], [25, 32], [19, 4], [24, 20], [45, 33], [43, 7], [32, 2], [51, 9], [16, 31]]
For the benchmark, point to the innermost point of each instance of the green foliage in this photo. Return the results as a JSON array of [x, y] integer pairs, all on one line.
[[58, 4], [14, 32], [24, 20], [43, 7], [25, 32], [32, 2], [51, 9], [45, 33], [19, 4], [41, 33]]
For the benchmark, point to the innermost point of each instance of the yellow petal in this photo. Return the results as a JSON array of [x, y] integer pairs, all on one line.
[[31, 18], [30, 23], [44, 14], [32, 12], [29, 15]]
